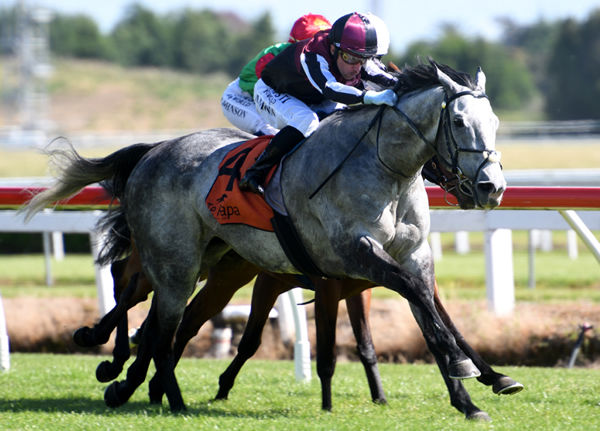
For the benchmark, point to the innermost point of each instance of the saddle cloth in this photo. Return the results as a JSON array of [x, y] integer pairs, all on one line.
[[226, 202]]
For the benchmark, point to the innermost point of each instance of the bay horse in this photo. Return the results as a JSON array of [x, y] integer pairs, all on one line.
[[369, 221], [222, 281]]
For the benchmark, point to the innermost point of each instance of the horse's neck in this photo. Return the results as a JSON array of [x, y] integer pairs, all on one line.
[[402, 149]]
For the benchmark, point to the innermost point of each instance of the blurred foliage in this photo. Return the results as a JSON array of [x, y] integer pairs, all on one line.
[[509, 82], [544, 65], [77, 36], [574, 71]]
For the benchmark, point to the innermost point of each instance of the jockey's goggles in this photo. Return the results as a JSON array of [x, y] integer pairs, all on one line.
[[352, 59]]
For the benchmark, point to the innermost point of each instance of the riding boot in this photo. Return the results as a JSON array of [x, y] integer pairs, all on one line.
[[282, 143]]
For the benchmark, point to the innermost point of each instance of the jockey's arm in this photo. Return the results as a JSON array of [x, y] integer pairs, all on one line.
[[317, 71]]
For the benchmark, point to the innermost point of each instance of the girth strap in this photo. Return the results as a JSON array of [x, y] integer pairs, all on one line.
[[292, 246]]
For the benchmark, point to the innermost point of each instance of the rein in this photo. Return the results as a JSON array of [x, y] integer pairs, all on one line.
[[378, 116]]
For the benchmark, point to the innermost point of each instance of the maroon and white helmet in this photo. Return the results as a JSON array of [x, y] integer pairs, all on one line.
[[356, 34]]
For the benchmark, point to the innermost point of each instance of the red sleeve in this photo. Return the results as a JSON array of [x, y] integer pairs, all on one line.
[[262, 62]]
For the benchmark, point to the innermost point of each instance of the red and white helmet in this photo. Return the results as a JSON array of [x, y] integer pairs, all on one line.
[[356, 34], [307, 25]]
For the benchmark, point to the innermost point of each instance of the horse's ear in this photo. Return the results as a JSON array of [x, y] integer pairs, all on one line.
[[450, 86], [480, 79]]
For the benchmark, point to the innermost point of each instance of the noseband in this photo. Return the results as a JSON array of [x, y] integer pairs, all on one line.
[[465, 184]]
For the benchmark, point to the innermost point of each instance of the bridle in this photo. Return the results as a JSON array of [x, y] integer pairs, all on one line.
[[465, 184]]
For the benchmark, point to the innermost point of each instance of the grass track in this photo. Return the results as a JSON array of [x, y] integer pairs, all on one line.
[[52, 392]]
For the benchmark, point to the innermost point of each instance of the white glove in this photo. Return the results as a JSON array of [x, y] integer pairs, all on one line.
[[385, 97]]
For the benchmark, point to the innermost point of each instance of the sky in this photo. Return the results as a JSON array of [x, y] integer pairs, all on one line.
[[408, 21]]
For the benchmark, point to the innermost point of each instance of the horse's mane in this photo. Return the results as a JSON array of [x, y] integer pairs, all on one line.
[[422, 76]]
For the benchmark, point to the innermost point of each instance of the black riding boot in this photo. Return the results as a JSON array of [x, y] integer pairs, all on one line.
[[282, 143]]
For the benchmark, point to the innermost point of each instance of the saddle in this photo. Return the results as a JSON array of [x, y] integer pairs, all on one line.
[[226, 202], [229, 205]]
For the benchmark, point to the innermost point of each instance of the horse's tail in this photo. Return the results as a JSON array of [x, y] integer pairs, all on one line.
[[75, 172], [117, 241]]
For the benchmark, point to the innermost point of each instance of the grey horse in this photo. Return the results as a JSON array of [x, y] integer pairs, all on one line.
[[368, 221]]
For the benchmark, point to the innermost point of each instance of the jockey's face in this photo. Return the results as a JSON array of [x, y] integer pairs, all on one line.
[[349, 71]]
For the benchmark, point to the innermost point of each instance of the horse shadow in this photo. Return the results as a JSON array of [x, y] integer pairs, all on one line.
[[205, 408]]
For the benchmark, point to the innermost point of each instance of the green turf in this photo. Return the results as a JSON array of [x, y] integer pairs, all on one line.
[[59, 392]]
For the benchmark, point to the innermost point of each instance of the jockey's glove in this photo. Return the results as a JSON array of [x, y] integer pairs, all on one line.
[[385, 97]]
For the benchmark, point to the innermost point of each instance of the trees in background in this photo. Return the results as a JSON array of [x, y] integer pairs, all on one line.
[[509, 82], [77, 36], [574, 71], [555, 62]]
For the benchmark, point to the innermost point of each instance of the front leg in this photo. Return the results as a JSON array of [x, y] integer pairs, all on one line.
[[501, 384], [368, 259]]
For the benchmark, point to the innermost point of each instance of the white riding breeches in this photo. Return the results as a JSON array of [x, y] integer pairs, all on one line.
[[280, 109], [238, 107]]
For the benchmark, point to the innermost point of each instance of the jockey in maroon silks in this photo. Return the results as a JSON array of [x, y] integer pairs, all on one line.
[[315, 77]]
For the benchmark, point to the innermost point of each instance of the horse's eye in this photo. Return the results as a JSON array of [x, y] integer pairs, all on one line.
[[459, 122]]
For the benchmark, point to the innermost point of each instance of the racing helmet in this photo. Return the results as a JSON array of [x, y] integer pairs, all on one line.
[[383, 34], [356, 34], [307, 25]]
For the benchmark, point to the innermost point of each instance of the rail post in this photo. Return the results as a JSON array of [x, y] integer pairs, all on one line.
[[500, 285]]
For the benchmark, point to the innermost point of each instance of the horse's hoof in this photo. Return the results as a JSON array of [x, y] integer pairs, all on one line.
[[107, 371], [221, 395], [506, 386], [479, 416], [135, 336], [83, 337], [155, 392], [464, 369], [111, 396], [178, 408], [380, 401]]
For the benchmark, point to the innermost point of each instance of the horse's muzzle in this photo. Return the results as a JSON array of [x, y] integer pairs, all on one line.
[[488, 194]]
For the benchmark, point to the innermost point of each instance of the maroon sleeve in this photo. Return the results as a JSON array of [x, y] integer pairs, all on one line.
[[262, 62]]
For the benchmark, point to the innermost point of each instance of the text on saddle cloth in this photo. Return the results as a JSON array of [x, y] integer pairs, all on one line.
[[226, 202]]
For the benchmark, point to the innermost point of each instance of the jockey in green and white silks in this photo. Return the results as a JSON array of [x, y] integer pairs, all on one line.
[[237, 101]]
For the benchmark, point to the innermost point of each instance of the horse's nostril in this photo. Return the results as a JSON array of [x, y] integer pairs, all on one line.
[[490, 189], [486, 188]]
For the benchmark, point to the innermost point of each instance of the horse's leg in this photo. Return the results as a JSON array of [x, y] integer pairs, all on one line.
[[501, 384], [381, 269], [224, 279], [327, 297], [107, 370], [358, 311], [459, 397], [100, 332], [265, 293], [117, 393], [130, 288]]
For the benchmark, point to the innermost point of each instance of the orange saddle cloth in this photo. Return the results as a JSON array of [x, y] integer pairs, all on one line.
[[226, 202]]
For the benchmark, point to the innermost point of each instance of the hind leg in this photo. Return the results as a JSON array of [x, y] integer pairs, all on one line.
[[358, 311], [118, 393], [224, 279], [265, 293], [131, 287]]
